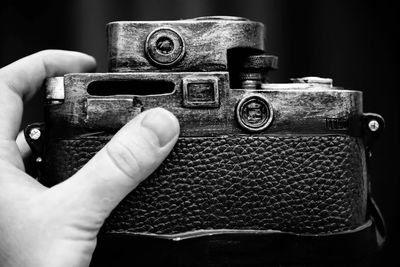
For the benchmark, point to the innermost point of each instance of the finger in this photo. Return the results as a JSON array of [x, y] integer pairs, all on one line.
[[9, 153], [16, 185], [130, 156], [26, 75], [20, 80], [23, 146], [28, 157]]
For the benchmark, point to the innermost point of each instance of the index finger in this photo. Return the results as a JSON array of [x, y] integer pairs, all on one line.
[[20, 80]]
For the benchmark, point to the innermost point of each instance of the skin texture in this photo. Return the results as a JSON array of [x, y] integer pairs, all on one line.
[[58, 226]]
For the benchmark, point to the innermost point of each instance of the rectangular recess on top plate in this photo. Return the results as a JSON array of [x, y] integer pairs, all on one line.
[[200, 92]]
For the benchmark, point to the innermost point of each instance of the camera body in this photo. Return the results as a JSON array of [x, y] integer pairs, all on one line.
[[253, 157]]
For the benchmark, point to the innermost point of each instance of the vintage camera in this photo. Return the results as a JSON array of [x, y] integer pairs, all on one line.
[[257, 164]]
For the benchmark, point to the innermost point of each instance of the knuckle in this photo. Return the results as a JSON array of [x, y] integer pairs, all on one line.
[[124, 158]]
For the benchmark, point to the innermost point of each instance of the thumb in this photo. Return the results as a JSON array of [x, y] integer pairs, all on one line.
[[130, 156]]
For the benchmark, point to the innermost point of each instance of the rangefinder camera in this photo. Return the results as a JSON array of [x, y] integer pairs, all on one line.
[[253, 157]]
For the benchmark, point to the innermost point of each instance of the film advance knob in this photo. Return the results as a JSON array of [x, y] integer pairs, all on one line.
[[254, 70]]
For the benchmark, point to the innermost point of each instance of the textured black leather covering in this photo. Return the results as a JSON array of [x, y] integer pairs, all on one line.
[[299, 184]]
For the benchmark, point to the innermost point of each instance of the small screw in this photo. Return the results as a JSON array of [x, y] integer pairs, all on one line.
[[165, 45], [373, 125], [35, 133]]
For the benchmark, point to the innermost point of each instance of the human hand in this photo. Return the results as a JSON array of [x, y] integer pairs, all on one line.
[[58, 226]]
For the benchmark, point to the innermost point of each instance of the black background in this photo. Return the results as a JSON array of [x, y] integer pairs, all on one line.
[[352, 42]]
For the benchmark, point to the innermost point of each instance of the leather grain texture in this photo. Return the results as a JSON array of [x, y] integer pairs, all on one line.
[[299, 184]]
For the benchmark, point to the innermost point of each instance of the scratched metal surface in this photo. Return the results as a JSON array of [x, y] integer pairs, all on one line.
[[207, 42], [298, 108]]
